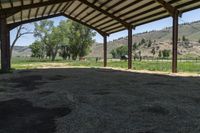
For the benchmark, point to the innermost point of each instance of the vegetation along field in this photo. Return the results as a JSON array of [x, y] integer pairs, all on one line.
[[156, 65]]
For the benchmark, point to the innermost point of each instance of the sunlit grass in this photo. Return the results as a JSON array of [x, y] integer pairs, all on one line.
[[164, 66]]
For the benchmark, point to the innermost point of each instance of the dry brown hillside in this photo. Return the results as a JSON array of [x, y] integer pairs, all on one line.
[[161, 40]]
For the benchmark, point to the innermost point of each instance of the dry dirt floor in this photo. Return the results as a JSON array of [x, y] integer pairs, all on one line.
[[91, 100]]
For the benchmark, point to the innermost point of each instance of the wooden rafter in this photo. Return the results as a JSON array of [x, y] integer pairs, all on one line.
[[91, 12], [51, 9], [172, 10], [125, 24], [57, 9], [82, 11], [83, 23], [14, 25], [43, 12], [68, 6], [35, 5], [75, 8], [64, 7], [100, 12], [116, 19], [117, 11]]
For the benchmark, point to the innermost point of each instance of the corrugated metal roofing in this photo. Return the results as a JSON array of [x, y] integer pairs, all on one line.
[[105, 16]]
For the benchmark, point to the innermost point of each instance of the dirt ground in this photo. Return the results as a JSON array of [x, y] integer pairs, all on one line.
[[91, 100]]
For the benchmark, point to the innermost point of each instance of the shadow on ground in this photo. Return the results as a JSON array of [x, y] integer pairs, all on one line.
[[80, 100], [19, 116]]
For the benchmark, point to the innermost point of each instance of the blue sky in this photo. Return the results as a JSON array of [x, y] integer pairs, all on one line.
[[157, 25]]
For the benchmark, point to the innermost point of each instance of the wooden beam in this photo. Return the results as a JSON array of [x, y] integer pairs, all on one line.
[[83, 23], [105, 50], [14, 25], [80, 4], [175, 42], [125, 24], [91, 12], [5, 45], [130, 47], [168, 7], [106, 2], [13, 10]]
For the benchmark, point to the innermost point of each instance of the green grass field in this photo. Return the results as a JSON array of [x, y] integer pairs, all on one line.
[[164, 66]]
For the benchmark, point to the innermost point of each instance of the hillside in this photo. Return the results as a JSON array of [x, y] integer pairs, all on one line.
[[21, 51], [161, 41]]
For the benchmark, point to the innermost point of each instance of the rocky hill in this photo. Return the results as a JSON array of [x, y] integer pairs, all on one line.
[[161, 40]]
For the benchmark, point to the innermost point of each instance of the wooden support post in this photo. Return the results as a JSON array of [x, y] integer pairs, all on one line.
[[105, 50], [175, 42], [130, 47], [5, 45]]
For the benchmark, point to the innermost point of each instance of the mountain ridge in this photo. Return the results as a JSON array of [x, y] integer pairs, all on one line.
[[163, 39]]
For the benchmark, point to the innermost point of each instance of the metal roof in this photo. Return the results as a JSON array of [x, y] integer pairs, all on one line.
[[104, 16]]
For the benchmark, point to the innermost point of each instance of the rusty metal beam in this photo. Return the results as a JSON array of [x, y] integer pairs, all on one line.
[[125, 24], [168, 7], [5, 45], [130, 47], [105, 50], [175, 42], [13, 10]]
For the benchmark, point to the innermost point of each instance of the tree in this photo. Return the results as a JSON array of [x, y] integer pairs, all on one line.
[[149, 43], [135, 46], [64, 48], [36, 49], [160, 54], [43, 31], [69, 37], [80, 39], [54, 42], [153, 51], [166, 53], [20, 32], [114, 53], [183, 38], [120, 51], [143, 41]]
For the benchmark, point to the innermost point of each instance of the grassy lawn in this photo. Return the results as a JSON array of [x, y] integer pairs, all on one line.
[[164, 66]]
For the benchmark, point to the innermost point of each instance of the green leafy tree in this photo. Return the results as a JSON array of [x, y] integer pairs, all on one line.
[[160, 54], [42, 32], [120, 51], [149, 43], [153, 51], [143, 41], [185, 40], [114, 53], [166, 53], [64, 48], [135, 46], [36, 49], [79, 39], [54, 42]]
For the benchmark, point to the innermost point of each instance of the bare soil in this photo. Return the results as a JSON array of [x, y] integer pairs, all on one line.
[[86, 100]]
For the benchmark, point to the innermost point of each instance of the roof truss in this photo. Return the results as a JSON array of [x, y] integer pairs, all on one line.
[[104, 16]]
